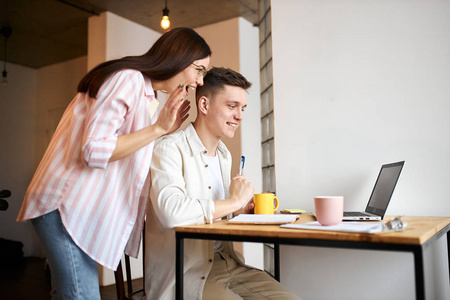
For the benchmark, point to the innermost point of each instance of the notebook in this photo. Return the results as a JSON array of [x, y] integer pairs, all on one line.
[[263, 219], [381, 194]]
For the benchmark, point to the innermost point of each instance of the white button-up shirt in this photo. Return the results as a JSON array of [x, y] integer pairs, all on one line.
[[180, 195]]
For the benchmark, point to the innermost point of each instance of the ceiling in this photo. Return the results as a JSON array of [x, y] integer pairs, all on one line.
[[45, 32]]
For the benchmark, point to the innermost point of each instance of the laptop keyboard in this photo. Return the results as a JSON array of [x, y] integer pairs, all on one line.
[[355, 213]]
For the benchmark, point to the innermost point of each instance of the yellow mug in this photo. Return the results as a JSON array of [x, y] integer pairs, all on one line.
[[264, 203]]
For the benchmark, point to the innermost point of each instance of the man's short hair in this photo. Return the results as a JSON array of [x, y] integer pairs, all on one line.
[[217, 78]]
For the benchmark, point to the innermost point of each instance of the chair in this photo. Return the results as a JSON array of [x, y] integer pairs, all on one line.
[[120, 283]]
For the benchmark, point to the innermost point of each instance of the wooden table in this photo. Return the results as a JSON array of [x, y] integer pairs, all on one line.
[[418, 235]]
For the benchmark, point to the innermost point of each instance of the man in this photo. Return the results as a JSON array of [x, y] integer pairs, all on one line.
[[191, 184]]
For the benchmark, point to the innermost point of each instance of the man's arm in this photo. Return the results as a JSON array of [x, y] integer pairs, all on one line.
[[241, 192], [168, 192], [171, 201]]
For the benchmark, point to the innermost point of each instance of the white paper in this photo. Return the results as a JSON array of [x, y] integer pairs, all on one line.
[[343, 226], [263, 219]]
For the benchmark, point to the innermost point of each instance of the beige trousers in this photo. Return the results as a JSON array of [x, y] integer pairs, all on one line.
[[228, 280]]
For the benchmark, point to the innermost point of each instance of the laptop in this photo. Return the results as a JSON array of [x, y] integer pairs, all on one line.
[[381, 194]]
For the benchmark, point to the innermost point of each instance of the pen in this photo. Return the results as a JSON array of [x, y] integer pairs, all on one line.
[[241, 168]]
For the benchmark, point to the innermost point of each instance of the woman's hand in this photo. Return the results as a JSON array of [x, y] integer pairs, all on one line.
[[174, 112]]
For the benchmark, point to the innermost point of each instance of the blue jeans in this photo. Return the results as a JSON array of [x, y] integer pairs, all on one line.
[[74, 274]]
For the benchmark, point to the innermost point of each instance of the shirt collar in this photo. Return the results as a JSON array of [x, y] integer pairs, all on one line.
[[196, 144], [149, 92]]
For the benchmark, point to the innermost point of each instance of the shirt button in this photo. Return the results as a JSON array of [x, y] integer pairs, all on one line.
[[209, 187], [206, 166], [204, 152], [203, 277], [210, 260]]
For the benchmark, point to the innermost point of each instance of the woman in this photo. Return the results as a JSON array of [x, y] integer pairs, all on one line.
[[88, 197]]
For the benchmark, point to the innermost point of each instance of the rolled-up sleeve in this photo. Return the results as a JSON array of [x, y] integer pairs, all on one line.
[[115, 100], [171, 202]]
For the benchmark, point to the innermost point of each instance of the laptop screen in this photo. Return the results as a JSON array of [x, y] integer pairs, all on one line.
[[384, 188]]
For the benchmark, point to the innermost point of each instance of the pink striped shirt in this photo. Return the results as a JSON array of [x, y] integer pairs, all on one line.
[[102, 204]]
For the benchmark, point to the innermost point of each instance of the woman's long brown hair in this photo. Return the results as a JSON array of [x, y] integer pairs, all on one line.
[[172, 52]]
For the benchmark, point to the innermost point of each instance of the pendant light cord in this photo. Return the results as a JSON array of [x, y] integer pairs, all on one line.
[[4, 63]]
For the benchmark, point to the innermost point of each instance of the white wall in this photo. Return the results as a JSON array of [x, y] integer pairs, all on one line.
[[251, 127], [55, 89], [32, 105], [17, 130], [358, 84], [111, 36]]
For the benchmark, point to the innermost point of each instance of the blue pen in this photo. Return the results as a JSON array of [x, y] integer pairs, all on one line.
[[241, 168]]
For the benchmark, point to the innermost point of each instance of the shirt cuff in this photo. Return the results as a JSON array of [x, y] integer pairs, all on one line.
[[208, 209]]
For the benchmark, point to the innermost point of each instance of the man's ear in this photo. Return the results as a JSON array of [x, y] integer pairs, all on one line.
[[203, 105]]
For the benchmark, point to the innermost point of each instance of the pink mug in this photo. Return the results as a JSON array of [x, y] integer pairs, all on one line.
[[329, 209]]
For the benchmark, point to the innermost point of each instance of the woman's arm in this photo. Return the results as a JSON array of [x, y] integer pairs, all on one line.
[[172, 115], [106, 115]]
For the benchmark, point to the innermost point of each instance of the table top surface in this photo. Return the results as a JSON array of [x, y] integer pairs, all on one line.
[[417, 232]]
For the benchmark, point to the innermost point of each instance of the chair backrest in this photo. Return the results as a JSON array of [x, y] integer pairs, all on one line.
[[120, 283]]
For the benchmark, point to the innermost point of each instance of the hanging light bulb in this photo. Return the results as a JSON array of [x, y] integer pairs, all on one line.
[[165, 22], [6, 31]]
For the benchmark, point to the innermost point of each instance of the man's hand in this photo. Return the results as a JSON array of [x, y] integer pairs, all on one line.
[[241, 190], [241, 193], [248, 209]]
